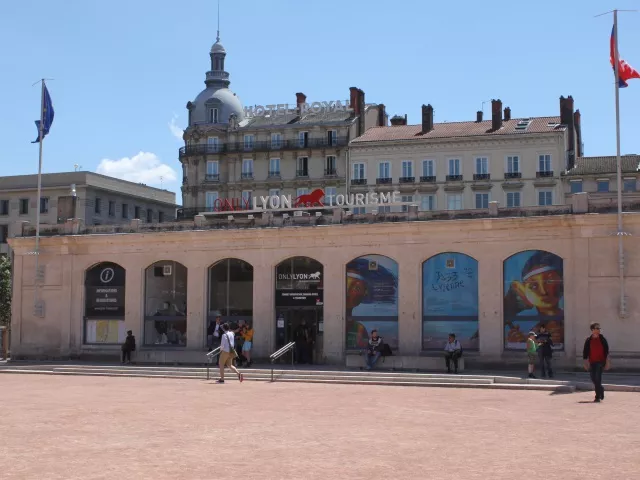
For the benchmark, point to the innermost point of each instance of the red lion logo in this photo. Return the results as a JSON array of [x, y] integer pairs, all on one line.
[[310, 199]]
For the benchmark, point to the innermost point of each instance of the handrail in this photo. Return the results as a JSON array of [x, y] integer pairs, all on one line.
[[212, 354], [276, 355]]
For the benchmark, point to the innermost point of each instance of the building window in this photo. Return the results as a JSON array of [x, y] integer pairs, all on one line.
[[332, 137], [274, 192], [247, 168], [213, 115], [4, 207], [454, 201], [358, 171], [358, 210], [97, 206], [276, 140], [230, 294], [576, 186], [603, 186], [24, 206], [247, 200], [330, 195], [629, 185], [454, 167], [112, 208], [427, 203], [303, 139], [136, 212], [406, 199], [331, 165], [407, 168], [482, 165], [545, 197], [210, 199], [248, 142], [274, 167], [301, 191], [513, 199], [428, 168], [384, 170], [212, 144], [544, 163], [384, 208], [44, 204], [149, 215], [513, 164], [302, 167], [482, 200], [160, 217], [4, 233], [213, 171], [125, 210]]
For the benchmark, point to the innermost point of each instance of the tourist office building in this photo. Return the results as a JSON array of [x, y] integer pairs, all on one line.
[[489, 276]]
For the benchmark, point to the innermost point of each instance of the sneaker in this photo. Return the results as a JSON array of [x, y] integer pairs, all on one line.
[[596, 400], [220, 381], [241, 377], [531, 375]]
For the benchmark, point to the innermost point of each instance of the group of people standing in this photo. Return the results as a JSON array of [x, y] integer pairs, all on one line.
[[242, 341]]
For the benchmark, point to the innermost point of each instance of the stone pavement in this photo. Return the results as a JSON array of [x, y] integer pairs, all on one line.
[[90, 428]]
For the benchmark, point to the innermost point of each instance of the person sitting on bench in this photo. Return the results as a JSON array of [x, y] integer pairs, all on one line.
[[374, 349], [452, 351]]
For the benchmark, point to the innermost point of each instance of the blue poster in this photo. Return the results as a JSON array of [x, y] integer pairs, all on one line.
[[450, 300], [533, 296], [372, 301]]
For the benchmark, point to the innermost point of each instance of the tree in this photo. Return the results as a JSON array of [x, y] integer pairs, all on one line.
[[5, 291]]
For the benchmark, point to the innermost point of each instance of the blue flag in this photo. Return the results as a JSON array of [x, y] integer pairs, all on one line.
[[47, 115]]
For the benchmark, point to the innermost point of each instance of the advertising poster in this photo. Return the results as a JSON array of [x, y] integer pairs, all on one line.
[[450, 301], [105, 291], [533, 295], [372, 300], [105, 331]]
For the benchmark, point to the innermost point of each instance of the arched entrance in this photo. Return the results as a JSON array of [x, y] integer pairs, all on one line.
[[104, 288], [299, 307]]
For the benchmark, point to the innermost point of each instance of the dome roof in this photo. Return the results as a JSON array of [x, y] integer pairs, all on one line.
[[218, 48], [221, 98]]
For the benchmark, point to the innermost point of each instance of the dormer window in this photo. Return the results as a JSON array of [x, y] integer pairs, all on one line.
[[213, 115]]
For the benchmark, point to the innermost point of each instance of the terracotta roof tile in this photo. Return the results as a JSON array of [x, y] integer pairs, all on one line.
[[596, 165], [460, 129]]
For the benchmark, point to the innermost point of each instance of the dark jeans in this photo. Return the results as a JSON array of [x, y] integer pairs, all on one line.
[[455, 356], [303, 352], [126, 354], [545, 361], [596, 370]]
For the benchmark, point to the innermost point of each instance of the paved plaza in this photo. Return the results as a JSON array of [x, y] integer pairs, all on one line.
[[58, 427]]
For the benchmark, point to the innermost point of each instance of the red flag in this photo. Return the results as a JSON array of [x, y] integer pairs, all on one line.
[[625, 71]]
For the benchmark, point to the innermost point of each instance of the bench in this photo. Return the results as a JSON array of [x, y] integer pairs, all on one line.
[[403, 362]]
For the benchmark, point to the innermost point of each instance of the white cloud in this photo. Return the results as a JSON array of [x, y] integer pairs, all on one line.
[[145, 167], [176, 130]]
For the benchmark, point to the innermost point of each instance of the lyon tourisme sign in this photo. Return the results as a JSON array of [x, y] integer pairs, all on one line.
[[315, 199]]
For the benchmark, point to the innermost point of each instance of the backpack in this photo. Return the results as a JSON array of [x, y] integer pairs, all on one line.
[[386, 350]]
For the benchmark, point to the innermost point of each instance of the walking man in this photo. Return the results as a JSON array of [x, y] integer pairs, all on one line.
[[228, 353], [596, 358]]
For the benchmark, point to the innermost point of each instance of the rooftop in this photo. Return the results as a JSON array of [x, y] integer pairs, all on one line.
[[516, 126], [601, 165]]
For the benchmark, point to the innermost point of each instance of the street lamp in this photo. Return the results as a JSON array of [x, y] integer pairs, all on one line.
[[74, 201]]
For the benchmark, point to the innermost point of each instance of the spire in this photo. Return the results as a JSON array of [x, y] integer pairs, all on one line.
[[218, 32], [217, 77]]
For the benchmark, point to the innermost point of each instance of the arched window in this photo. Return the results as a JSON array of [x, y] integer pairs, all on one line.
[[372, 300], [450, 300], [165, 304], [230, 292], [533, 296], [104, 287]]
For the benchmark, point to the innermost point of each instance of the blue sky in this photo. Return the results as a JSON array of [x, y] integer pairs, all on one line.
[[124, 70]]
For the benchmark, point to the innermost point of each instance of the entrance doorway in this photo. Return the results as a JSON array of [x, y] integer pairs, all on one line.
[[299, 308]]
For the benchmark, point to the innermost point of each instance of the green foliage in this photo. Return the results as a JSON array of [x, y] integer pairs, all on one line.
[[5, 291]]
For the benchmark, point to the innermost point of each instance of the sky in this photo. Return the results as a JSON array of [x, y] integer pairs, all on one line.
[[123, 71]]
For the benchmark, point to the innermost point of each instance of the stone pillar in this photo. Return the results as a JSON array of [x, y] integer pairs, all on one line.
[[333, 336], [196, 310], [409, 308], [134, 301], [16, 304], [490, 305], [263, 309]]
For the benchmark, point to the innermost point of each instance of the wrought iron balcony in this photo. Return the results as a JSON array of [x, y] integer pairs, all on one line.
[[407, 179], [274, 174], [302, 173], [384, 181], [247, 175], [454, 178], [358, 181], [428, 179], [212, 177], [545, 174], [263, 146], [482, 176], [510, 175], [330, 172]]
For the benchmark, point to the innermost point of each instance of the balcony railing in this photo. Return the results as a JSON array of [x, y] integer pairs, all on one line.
[[212, 177], [544, 174], [358, 181], [407, 179], [454, 178], [384, 181], [274, 174], [330, 172], [510, 175], [482, 176], [246, 175], [264, 146], [428, 179], [302, 173]]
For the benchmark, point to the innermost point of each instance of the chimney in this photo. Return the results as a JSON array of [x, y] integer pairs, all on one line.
[[566, 118], [361, 113], [479, 116], [381, 116], [496, 114], [301, 98], [576, 122], [397, 120], [353, 100], [507, 114], [427, 118]]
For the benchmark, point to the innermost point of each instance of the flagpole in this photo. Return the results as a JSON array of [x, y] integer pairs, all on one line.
[[37, 249], [620, 233]]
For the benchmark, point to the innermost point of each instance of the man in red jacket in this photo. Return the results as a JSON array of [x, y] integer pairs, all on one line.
[[596, 358]]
